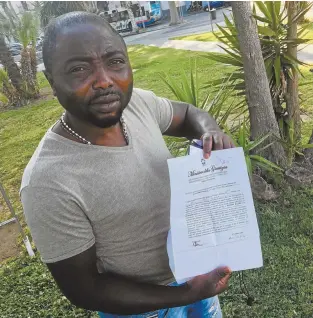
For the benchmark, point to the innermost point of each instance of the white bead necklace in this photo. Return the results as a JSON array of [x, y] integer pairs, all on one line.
[[69, 130]]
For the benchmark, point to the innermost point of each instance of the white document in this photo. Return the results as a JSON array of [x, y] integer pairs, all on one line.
[[213, 221]]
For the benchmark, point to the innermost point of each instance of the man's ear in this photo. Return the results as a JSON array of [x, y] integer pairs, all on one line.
[[50, 80]]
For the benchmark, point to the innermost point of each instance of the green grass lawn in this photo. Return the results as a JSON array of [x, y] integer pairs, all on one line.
[[283, 287], [203, 37]]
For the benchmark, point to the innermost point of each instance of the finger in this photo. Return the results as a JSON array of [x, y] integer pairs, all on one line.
[[222, 285], [218, 274], [232, 144], [223, 276], [207, 145], [222, 271], [217, 142], [226, 142]]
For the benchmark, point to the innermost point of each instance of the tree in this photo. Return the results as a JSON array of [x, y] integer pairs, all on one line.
[[6, 58], [53, 9], [173, 12], [12, 11], [276, 40], [261, 113], [24, 5], [8, 90], [11, 15], [292, 98], [10, 66], [33, 33], [27, 32]]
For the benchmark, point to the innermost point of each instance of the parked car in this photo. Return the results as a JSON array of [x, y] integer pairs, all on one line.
[[215, 5], [15, 48]]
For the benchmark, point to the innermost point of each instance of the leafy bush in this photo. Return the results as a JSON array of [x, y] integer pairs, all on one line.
[[281, 66], [293, 147], [219, 106], [272, 30], [188, 91], [242, 139]]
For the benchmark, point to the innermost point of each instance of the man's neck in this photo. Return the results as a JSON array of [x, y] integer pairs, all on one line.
[[110, 137]]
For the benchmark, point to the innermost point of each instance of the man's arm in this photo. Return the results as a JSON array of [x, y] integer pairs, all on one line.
[[193, 123], [81, 283], [190, 121]]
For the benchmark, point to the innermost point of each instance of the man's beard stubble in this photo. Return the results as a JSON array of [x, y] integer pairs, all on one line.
[[106, 122], [114, 119]]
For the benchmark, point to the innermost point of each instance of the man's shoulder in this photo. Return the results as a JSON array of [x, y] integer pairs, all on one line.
[[142, 95], [145, 100], [44, 164]]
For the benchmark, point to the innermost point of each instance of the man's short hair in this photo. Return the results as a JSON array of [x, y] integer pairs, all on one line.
[[58, 24]]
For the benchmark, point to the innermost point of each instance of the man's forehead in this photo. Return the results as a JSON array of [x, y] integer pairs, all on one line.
[[92, 36]]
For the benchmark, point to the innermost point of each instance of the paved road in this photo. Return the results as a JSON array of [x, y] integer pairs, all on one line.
[[197, 23], [160, 34]]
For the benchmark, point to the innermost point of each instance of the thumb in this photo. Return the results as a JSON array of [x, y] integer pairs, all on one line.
[[220, 276]]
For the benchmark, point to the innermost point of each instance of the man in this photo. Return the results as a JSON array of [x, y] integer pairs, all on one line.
[[96, 192]]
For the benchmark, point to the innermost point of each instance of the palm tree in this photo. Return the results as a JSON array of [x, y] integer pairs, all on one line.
[[53, 9], [13, 71], [33, 33], [26, 33], [6, 58], [8, 90], [11, 15], [24, 5]]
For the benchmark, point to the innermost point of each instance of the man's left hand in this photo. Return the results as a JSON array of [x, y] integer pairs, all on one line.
[[215, 140]]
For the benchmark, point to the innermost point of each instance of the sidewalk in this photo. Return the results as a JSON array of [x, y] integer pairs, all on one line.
[[193, 46], [305, 52]]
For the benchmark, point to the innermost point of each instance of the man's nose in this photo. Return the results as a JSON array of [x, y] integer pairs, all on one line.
[[102, 80]]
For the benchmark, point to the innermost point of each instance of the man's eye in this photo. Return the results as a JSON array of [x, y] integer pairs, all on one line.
[[117, 62], [78, 69]]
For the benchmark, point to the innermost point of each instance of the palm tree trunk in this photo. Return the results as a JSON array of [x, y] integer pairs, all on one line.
[[27, 74], [262, 116], [11, 94], [9, 64], [292, 96], [33, 64]]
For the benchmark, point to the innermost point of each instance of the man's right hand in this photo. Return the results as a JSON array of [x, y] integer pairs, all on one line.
[[211, 284], [80, 281]]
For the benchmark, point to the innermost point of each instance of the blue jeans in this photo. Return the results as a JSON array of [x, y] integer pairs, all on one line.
[[208, 308]]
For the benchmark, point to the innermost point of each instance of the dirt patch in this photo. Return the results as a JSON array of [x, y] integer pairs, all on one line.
[[8, 239]]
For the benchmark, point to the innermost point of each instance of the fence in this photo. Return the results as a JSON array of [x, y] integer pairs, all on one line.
[[15, 219]]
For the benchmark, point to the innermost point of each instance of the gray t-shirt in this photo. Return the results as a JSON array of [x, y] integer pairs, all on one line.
[[75, 195]]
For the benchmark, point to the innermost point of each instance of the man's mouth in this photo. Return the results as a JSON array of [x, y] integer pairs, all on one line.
[[106, 104], [105, 99]]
